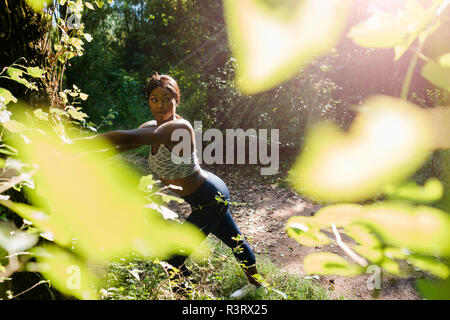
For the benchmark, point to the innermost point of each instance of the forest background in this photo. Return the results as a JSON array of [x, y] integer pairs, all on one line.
[[100, 70]]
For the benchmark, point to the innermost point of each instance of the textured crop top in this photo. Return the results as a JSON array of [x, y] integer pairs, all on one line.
[[162, 164]]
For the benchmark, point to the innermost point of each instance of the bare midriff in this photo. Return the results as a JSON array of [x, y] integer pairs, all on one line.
[[188, 184]]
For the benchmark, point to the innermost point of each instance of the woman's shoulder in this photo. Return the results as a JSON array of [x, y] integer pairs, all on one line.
[[179, 124], [151, 123]]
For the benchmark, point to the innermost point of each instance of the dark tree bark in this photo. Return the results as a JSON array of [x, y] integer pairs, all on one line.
[[22, 40]]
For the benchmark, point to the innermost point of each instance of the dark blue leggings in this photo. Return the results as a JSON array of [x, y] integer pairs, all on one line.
[[213, 216]]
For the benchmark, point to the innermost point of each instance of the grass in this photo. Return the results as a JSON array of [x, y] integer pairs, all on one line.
[[213, 278]]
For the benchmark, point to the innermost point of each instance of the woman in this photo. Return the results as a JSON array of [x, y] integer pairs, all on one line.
[[196, 186]]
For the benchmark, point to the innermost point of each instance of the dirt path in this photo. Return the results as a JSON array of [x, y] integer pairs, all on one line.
[[262, 220]]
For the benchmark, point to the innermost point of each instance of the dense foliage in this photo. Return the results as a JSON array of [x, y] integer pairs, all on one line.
[[85, 63]]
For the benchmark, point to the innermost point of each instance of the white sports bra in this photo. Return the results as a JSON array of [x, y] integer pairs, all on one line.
[[170, 166]]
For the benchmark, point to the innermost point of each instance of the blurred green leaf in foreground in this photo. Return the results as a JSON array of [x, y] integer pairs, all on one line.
[[91, 206]]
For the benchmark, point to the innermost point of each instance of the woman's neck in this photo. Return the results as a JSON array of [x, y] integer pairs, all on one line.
[[173, 117]]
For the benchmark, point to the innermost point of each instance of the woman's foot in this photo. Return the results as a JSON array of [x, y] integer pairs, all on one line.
[[253, 285], [250, 273]]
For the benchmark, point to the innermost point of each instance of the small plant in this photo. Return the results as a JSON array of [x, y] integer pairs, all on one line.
[[215, 277]]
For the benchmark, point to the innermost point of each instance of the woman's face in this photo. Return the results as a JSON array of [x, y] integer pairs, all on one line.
[[162, 104]]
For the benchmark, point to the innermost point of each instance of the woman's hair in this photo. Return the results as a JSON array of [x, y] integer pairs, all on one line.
[[163, 81]]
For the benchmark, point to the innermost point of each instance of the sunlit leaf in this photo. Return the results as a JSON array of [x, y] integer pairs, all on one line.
[[444, 60], [434, 290], [38, 5], [168, 198], [83, 96], [419, 228], [387, 142], [14, 240], [328, 263], [88, 37], [146, 183], [437, 74], [41, 115], [390, 266], [405, 230], [374, 255], [430, 192], [395, 30], [164, 211], [99, 3], [14, 126], [7, 95], [77, 114], [14, 72], [36, 72], [362, 235], [305, 233], [89, 5], [16, 75], [381, 30], [98, 203], [49, 224], [71, 275], [270, 45], [431, 265]]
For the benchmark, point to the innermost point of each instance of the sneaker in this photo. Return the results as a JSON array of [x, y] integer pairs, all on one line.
[[244, 291], [241, 293]]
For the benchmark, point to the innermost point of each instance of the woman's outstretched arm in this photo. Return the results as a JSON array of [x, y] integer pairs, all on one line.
[[123, 140]]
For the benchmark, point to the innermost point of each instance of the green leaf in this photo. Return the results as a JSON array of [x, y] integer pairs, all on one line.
[[429, 264], [14, 72], [46, 223], [146, 183], [437, 74], [390, 266], [83, 96], [14, 240], [374, 255], [36, 72], [362, 235], [421, 229], [388, 141], [305, 232], [59, 111], [14, 126], [89, 5], [77, 115], [327, 263], [68, 273], [41, 115], [395, 30], [38, 5], [7, 95], [444, 60], [431, 191], [88, 37], [381, 30], [434, 290], [99, 3], [92, 208], [271, 44], [404, 228], [16, 75], [167, 198]]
